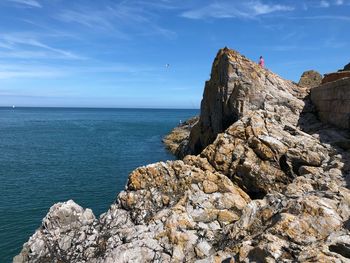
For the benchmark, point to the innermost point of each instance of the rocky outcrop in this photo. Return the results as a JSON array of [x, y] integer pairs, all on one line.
[[263, 190], [310, 79], [236, 87], [177, 140], [335, 76], [346, 67], [332, 101]]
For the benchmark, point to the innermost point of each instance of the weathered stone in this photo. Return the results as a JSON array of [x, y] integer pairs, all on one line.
[[209, 187], [176, 141], [310, 79], [346, 67], [335, 76], [332, 101], [237, 86], [272, 187]]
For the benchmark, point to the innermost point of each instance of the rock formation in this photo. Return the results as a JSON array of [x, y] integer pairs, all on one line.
[[271, 185], [335, 76], [310, 79], [177, 141], [238, 85], [346, 67], [332, 99]]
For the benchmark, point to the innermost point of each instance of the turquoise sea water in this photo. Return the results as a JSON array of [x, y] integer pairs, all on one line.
[[48, 155]]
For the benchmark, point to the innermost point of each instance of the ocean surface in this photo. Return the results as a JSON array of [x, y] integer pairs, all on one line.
[[49, 155]]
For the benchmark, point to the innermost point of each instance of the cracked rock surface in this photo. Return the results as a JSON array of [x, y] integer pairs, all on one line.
[[270, 185]]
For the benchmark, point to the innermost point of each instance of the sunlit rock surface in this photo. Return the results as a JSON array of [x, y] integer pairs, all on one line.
[[270, 184]]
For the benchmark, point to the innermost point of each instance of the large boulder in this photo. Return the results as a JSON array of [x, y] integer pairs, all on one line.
[[310, 79]]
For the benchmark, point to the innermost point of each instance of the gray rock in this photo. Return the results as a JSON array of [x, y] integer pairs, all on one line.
[[271, 187], [310, 79]]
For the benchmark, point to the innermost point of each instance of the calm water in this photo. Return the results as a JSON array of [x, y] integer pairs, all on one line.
[[49, 155]]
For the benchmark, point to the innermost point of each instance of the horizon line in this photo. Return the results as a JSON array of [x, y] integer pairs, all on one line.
[[88, 107]]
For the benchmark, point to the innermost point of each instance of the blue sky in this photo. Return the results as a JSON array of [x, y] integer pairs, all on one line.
[[105, 53]]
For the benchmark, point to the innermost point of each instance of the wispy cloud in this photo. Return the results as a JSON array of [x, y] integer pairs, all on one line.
[[261, 9], [332, 42], [28, 3], [39, 71], [228, 9], [324, 4], [123, 19], [15, 71], [339, 2], [323, 17], [89, 18], [25, 45]]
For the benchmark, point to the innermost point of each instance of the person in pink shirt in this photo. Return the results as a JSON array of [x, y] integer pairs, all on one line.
[[261, 62]]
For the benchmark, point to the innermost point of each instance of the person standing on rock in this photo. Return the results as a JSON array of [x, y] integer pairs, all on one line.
[[261, 62]]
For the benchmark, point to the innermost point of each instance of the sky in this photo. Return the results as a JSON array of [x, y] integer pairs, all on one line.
[[88, 53]]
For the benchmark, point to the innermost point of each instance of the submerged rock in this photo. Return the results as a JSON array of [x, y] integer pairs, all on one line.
[[261, 190]]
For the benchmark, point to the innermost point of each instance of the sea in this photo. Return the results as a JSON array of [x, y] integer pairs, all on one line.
[[50, 155]]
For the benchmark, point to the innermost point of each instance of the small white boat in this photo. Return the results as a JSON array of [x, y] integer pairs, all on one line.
[[13, 106]]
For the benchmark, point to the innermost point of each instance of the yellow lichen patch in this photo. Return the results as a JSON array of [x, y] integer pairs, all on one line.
[[209, 187], [226, 216], [135, 181]]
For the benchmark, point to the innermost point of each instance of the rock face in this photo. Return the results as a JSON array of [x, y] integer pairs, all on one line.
[[310, 79], [177, 140], [237, 86], [335, 76], [346, 67], [332, 101], [272, 187]]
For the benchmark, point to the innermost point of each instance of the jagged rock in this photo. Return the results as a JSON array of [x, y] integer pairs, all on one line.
[[264, 190], [346, 68], [332, 101], [236, 87], [310, 79], [335, 76], [177, 140]]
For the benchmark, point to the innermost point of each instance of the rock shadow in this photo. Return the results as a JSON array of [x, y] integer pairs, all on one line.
[[338, 139]]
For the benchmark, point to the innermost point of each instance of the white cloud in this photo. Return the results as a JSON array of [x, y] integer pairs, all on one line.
[[123, 19], [227, 9], [339, 2], [37, 70], [25, 45], [30, 3], [86, 18], [323, 17], [324, 4], [14, 71], [261, 8]]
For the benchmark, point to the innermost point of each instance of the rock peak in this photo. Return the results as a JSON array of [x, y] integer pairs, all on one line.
[[237, 86]]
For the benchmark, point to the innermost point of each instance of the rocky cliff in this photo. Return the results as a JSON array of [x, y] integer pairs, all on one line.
[[176, 142], [332, 99], [270, 185], [237, 86]]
